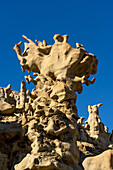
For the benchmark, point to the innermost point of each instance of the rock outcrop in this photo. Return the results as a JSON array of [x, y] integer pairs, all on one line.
[[103, 161], [41, 129], [12, 101], [94, 137]]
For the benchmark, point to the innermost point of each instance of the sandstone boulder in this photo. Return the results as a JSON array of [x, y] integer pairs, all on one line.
[[103, 161], [6, 108]]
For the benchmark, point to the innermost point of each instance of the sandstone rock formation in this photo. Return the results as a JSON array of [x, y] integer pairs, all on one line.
[[12, 101], [41, 129], [59, 61], [94, 137], [103, 161]]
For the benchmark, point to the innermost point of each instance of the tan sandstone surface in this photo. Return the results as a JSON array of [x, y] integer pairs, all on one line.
[[41, 129], [103, 161]]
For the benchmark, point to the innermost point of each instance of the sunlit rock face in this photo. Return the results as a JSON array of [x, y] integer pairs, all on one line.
[[44, 129], [100, 162], [59, 61], [93, 140], [52, 120]]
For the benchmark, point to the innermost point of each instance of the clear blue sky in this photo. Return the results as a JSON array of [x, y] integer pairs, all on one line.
[[89, 22]]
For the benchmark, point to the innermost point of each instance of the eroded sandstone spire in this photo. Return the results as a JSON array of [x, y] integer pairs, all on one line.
[[59, 61], [52, 120], [41, 129]]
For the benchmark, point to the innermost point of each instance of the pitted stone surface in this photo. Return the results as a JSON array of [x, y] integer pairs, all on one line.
[[41, 129], [51, 114], [103, 161]]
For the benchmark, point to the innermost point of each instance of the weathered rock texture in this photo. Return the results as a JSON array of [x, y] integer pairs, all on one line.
[[41, 129], [103, 161], [94, 137], [59, 62]]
